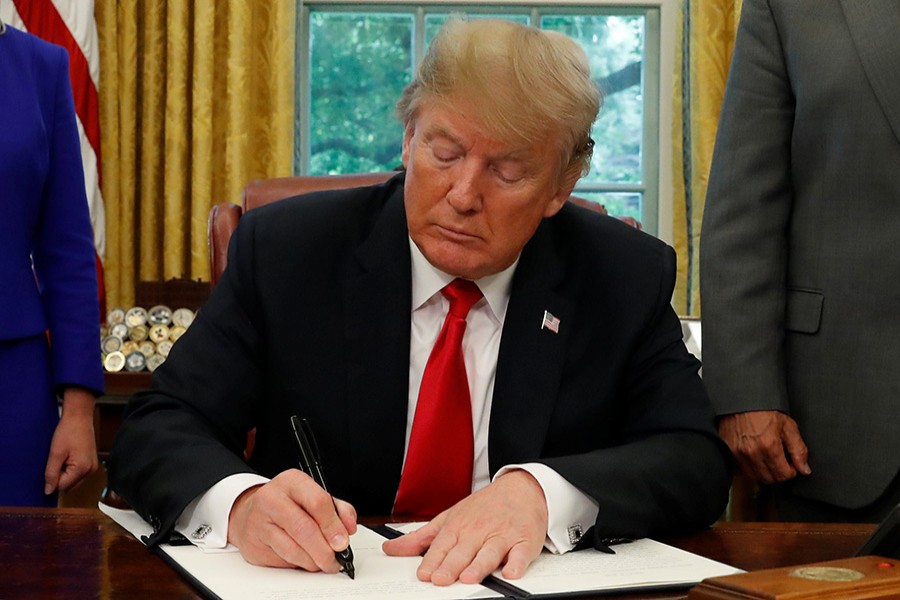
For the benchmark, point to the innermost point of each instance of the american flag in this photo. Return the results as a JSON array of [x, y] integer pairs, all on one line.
[[550, 322]]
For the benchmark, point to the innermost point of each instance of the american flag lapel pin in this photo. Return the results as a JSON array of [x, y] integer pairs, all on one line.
[[550, 322]]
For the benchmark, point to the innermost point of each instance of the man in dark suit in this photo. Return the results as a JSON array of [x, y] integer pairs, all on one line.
[[799, 262], [585, 409]]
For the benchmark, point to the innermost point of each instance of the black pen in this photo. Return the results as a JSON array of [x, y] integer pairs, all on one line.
[[309, 463]]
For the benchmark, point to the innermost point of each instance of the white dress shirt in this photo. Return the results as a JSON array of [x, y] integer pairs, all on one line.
[[205, 520]]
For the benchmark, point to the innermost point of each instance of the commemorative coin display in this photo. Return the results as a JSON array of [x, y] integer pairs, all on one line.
[[140, 339]]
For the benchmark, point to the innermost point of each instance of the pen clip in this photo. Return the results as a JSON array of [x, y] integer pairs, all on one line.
[[311, 441], [308, 450]]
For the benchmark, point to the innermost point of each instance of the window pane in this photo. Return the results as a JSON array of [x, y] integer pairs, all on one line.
[[614, 45], [359, 65], [618, 204]]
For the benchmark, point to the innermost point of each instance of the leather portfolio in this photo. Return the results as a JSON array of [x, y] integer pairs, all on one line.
[[858, 578]]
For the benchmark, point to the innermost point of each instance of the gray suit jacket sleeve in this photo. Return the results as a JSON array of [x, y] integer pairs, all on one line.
[[745, 224]]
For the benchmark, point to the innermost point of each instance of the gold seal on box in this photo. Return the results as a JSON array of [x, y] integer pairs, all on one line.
[[857, 578], [114, 362], [827, 574]]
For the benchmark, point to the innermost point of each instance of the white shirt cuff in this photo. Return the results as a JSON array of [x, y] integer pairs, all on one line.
[[204, 522], [570, 512]]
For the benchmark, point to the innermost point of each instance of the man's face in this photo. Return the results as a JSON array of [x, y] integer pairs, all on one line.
[[473, 202]]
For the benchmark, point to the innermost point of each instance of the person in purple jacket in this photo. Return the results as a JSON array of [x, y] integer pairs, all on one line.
[[49, 310]]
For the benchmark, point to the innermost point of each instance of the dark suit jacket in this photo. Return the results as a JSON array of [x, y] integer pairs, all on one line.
[[800, 268], [312, 317]]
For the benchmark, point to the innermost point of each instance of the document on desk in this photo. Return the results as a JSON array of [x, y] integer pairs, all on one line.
[[643, 564]]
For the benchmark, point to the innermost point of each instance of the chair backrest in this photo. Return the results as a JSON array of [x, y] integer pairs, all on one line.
[[263, 191], [223, 218]]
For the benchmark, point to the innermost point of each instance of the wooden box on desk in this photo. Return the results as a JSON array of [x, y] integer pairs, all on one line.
[[858, 578]]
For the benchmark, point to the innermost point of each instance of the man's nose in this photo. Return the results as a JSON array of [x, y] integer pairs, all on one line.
[[465, 193]]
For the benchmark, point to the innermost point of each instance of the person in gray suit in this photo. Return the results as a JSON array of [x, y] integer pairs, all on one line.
[[800, 270]]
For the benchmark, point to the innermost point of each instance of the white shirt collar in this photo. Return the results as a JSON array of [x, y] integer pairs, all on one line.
[[427, 280]]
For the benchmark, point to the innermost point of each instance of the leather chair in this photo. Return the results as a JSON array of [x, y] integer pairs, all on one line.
[[223, 218]]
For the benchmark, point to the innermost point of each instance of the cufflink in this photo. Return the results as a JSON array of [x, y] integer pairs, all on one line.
[[201, 532], [575, 532]]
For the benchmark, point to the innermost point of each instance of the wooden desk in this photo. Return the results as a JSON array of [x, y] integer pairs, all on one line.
[[80, 553]]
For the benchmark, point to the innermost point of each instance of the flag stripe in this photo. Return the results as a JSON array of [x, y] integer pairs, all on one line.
[[78, 15], [42, 19]]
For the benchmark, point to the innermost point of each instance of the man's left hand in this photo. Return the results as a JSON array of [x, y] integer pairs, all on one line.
[[503, 524]]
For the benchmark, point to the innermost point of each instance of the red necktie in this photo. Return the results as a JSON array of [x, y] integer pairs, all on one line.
[[438, 469]]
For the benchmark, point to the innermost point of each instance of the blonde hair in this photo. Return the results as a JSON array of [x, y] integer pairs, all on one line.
[[524, 85]]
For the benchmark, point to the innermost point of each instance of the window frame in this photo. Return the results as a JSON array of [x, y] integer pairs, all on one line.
[[660, 35]]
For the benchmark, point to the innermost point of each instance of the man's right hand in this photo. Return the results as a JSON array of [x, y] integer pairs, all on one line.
[[291, 522], [767, 445]]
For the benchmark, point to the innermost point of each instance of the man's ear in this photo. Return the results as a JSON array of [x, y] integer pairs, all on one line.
[[408, 133], [559, 199]]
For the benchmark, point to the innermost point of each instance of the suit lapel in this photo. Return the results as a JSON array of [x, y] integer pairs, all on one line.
[[529, 366], [377, 309], [874, 26]]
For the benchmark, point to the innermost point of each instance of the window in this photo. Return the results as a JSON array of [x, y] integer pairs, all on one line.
[[355, 59]]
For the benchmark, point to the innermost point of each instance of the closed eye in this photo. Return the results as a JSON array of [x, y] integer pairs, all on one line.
[[445, 152], [509, 172]]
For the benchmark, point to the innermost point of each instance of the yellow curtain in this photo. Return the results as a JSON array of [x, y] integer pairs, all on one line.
[[196, 99], [705, 42]]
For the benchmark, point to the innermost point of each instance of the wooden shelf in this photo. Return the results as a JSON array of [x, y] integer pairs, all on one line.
[[126, 383]]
